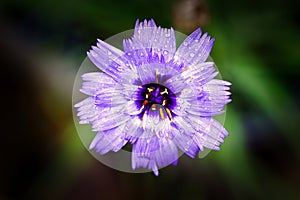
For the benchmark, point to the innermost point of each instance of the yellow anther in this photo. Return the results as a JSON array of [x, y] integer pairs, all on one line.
[[149, 89], [156, 75], [161, 113], [147, 96], [169, 114], [165, 92]]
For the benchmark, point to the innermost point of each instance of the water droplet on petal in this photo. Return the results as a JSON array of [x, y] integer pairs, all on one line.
[[192, 55], [94, 54]]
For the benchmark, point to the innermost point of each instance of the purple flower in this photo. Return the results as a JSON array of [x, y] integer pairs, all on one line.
[[154, 97]]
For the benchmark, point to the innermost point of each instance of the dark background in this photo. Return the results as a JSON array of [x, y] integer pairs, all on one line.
[[257, 48]]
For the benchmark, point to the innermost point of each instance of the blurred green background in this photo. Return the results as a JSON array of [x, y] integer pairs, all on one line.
[[257, 48]]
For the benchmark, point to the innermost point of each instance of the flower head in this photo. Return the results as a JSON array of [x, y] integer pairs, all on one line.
[[155, 97]]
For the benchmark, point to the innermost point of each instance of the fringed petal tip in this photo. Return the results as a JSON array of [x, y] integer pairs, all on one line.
[[195, 48], [145, 23]]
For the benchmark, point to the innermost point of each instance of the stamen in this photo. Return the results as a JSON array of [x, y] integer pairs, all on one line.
[[144, 119], [165, 92], [169, 114], [161, 113], [150, 89], [156, 75], [145, 102], [164, 102], [153, 107], [156, 98]]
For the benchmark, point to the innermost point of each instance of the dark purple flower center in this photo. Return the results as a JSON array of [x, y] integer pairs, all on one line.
[[154, 94]]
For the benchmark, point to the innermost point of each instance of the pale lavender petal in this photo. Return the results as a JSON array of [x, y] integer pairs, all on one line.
[[133, 129], [203, 100], [197, 106], [109, 120], [86, 111], [148, 36], [153, 152], [210, 133], [214, 96], [194, 75], [199, 74], [109, 59], [142, 149], [195, 49], [109, 97], [110, 140], [166, 154], [183, 133], [155, 73], [94, 81], [146, 74]]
